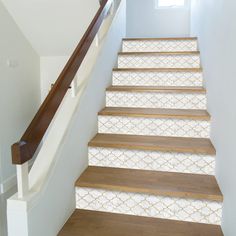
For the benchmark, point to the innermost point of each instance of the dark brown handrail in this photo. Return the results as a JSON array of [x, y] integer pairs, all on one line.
[[24, 150]]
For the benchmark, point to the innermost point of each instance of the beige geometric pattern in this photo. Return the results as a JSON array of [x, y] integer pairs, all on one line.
[[156, 100], [149, 205], [142, 78], [154, 126], [201, 211], [152, 160], [159, 61], [159, 45]]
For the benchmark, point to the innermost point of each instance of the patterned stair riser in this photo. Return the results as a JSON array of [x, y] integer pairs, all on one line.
[[144, 204], [154, 126], [156, 100], [159, 45], [152, 160], [159, 61], [157, 78], [200, 211]]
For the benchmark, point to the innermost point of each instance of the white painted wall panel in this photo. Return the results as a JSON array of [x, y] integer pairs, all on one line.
[[19, 99], [213, 22], [50, 69], [19, 88], [143, 20]]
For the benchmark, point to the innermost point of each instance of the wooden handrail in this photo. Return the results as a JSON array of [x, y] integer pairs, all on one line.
[[24, 150]]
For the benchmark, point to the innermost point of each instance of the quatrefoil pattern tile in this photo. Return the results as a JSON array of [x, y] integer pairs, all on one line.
[[144, 204], [154, 126], [152, 160], [159, 45], [159, 61], [149, 205], [156, 100], [157, 78]]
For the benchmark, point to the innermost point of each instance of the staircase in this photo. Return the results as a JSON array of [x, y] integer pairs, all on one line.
[[151, 166]]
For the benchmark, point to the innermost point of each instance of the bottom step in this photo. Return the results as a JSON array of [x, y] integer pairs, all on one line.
[[90, 223]]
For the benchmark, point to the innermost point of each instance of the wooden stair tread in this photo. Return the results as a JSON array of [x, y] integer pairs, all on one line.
[[156, 113], [161, 89], [154, 143], [88, 223], [156, 39], [158, 69], [158, 53], [151, 182]]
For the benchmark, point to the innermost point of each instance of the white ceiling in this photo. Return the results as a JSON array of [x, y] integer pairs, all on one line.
[[53, 27]]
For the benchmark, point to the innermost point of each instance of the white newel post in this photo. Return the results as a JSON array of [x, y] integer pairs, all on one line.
[[22, 179]]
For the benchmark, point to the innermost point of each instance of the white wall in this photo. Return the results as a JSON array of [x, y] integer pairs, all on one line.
[[56, 200], [143, 20], [19, 92], [53, 27], [50, 69], [214, 23]]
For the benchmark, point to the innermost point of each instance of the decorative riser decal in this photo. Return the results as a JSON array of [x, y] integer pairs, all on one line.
[[157, 78], [154, 126], [159, 45], [159, 61], [152, 160], [156, 100], [200, 211]]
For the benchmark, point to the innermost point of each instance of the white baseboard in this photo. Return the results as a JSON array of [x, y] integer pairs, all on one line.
[[11, 182], [8, 184]]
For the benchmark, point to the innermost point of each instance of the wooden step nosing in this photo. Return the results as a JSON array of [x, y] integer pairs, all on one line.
[[177, 117], [184, 53], [161, 39], [172, 194], [153, 89], [150, 146], [105, 112], [173, 70], [157, 183]]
